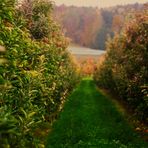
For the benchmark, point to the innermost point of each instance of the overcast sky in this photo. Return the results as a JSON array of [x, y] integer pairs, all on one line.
[[98, 3]]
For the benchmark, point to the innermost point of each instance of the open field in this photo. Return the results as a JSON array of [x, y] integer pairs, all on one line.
[[83, 53]]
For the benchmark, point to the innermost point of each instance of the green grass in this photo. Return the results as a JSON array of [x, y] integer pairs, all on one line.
[[90, 120]]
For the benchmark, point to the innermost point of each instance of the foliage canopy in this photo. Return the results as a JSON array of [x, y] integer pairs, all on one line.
[[125, 68], [38, 74]]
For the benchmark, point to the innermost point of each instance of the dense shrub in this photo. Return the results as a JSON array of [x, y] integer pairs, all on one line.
[[35, 79], [125, 69], [37, 15]]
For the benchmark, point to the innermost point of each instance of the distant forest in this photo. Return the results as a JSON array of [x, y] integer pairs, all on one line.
[[89, 26]]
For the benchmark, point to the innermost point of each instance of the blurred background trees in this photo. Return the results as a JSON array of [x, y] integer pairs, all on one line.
[[90, 27]]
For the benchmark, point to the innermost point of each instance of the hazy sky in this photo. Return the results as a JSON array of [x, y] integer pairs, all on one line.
[[98, 3]]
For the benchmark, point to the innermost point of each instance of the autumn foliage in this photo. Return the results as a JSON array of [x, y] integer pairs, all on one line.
[[90, 27], [125, 69]]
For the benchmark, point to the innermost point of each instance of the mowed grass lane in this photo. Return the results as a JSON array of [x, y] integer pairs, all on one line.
[[90, 120]]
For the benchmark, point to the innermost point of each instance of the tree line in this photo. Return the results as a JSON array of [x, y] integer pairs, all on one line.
[[89, 26], [124, 69], [37, 72]]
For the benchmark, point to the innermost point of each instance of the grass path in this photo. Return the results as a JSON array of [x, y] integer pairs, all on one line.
[[90, 120]]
